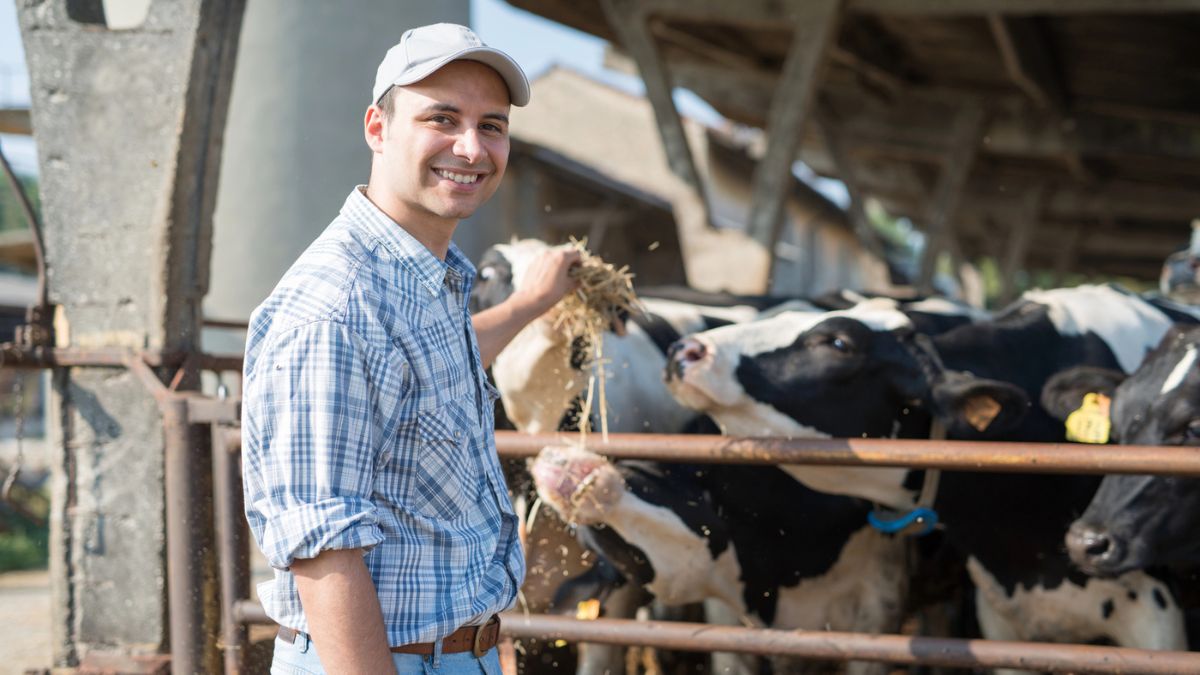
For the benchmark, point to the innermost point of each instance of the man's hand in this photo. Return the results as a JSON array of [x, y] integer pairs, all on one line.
[[344, 618], [545, 283], [547, 280]]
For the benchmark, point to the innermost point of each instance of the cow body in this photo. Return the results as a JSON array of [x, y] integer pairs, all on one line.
[[865, 372], [772, 551]]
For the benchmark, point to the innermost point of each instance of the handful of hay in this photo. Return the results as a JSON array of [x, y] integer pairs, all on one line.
[[604, 298]]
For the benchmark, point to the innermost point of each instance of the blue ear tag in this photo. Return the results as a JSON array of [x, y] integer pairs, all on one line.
[[918, 522]]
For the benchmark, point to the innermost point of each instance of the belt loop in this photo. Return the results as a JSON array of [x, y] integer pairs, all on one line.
[[307, 642], [437, 653]]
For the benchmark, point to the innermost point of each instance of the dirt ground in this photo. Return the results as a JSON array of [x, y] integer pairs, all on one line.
[[25, 615]]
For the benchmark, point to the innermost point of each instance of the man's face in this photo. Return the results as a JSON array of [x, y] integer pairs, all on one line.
[[444, 150]]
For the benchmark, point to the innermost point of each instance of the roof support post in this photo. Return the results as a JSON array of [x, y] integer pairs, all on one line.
[[965, 135], [631, 23], [835, 142], [1067, 255], [813, 27], [1022, 223]]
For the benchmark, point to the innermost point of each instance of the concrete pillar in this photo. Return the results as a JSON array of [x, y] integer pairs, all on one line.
[[295, 143], [129, 125]]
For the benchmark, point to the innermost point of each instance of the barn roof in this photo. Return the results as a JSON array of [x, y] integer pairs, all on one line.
[[1051, 134]]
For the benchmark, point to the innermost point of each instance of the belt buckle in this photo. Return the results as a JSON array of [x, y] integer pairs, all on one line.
[[477, 644]]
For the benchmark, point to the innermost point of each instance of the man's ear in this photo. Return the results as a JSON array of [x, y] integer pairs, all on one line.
[[1063, 394], [373, 128], [973, 407]]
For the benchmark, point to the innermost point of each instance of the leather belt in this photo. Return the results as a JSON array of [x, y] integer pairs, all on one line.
[[475, 639]]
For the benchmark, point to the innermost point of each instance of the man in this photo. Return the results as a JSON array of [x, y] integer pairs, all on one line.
[[372, 482]]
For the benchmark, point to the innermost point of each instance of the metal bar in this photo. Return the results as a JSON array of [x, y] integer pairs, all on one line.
[[226, 323], [15, 356], [994, 456], [836, 646], [190, 583], [233, 549]]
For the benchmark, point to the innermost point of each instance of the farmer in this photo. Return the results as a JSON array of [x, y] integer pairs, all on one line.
[[371, 476]]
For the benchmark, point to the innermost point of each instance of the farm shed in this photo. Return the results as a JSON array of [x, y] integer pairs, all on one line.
[[1049, 135]]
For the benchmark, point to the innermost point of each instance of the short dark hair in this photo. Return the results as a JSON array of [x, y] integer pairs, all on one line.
[[387, 103]]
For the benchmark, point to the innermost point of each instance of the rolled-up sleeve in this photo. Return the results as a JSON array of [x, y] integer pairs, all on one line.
[[310, 444]]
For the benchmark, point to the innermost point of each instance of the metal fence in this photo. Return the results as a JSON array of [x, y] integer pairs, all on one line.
[[187, 415]]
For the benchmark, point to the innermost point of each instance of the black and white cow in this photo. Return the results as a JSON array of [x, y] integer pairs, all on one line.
[[1138, 522], [772, 551], [540, 374], [865, 372]]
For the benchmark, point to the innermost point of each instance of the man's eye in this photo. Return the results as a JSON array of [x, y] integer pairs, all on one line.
[[440, 119], [493, 128]]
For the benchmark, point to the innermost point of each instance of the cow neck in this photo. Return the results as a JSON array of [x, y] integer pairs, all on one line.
[[922, 518]]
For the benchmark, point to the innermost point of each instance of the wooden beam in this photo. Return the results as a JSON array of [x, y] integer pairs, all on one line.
[[1023, 221], [1067, 254], [1053, 7], [1029, 59], [629, 21], [765, 13], [846, 172], [813, 28], [965, 135]]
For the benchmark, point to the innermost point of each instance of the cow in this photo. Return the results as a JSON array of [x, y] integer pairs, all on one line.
[[775, 553], [1138, 522], [540, 373], [865, 372]]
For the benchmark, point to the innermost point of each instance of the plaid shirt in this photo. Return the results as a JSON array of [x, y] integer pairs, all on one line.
[[367, 423]]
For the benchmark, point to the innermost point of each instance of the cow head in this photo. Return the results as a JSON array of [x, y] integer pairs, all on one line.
[[1140, 521], [849, 373], [580, 485]]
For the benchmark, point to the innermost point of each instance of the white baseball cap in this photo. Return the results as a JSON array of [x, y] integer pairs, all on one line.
[[421, 51]]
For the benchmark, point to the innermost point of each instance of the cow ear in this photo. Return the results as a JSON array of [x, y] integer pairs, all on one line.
[[973, 407], [1063, 394]]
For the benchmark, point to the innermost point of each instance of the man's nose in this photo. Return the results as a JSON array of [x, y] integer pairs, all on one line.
[[468, 146]]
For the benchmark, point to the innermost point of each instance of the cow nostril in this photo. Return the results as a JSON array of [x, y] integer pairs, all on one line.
[[689, 351], [1098, 546]]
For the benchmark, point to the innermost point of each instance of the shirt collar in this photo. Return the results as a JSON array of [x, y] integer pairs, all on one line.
[[431, 271]]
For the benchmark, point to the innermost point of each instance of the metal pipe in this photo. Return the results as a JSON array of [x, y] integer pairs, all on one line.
[[834, 646], [233, 549], [994, 456], [191, 574], [16, 356], [837, 646]]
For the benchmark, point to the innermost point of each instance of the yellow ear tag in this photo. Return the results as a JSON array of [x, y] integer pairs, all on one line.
[[1090, 424], [587, 610]]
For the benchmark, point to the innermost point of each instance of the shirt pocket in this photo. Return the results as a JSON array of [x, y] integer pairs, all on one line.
[[440, 479]]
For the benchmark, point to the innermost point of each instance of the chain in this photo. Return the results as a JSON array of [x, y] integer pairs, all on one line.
[[19, 417]]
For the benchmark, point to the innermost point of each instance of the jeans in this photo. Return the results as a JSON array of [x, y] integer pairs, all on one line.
[[300, 658]]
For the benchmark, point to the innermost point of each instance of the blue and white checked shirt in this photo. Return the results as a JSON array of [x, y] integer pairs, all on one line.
[[367, 423]]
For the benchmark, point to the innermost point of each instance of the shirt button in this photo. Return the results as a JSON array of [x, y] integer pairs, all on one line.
[[458, 435]]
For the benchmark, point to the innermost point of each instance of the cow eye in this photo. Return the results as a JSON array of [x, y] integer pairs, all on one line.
[[487, 273], [840, 344], [1192, 432]]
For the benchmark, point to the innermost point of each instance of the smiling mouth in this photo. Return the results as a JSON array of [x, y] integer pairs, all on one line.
[[460, 178]]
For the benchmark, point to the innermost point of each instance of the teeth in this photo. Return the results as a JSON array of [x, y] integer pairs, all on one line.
[[465, 179]]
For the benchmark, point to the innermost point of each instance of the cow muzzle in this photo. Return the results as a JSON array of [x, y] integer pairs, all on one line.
[[1093, 550], [581, 486], [683, 353]]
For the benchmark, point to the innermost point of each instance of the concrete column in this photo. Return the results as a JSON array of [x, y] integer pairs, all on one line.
[[295, 143], [129, 126]]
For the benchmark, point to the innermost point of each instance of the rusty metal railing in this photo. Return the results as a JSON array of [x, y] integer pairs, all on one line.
[[187, 531]]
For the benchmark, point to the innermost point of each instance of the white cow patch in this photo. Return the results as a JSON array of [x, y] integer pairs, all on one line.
[[1071, 613], [1180, 371], [1129, 325], [684, 569], [864, 591]]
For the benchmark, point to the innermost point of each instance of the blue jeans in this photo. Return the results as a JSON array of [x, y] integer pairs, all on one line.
[[300, 658]]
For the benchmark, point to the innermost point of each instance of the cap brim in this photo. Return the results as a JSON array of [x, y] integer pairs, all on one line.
[[510, 72]]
